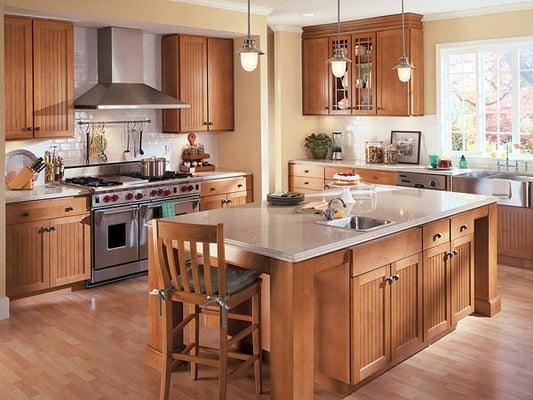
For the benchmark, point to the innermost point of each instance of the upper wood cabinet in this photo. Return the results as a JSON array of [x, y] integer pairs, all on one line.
[[315, 54], [198, 71], [371, 85], [39, 75]]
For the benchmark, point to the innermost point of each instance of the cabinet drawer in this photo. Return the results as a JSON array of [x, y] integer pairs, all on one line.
[[376, 176], [307, 171], [375, 254], [45, 209], [222, 186], [298, 182], [436, 234], [462, 225], [330, 171]]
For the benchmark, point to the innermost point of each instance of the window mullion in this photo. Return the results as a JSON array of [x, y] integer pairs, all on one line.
[[480, 103], [515, 92]]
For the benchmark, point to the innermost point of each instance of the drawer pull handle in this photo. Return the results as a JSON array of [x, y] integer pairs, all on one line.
[[306, 171], [306, 183], [389, 279], [395, 277], [212, 189], [437, 236], [25, 214], [37, 128], [69, 209], [463, 228], [454, 253], [240, 185]]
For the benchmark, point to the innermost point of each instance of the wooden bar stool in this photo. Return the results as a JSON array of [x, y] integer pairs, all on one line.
[[199, 283]]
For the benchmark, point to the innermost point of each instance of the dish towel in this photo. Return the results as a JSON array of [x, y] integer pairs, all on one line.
[[168, 210]]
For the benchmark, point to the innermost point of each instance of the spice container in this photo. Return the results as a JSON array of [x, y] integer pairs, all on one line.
[[390, 155], [374, 151]]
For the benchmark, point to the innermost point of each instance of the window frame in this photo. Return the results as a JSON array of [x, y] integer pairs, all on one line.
[[444, 51]]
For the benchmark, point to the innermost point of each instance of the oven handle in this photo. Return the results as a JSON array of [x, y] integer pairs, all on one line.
[[116, 211]]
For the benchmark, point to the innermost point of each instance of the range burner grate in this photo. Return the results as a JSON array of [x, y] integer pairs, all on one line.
[[93, 181], [167, 176]]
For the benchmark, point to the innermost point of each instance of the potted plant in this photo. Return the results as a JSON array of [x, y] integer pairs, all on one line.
[[318, 144]]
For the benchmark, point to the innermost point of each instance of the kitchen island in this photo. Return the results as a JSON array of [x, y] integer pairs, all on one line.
[[344, 306]]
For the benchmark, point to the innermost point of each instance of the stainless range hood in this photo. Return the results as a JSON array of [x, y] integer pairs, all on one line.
[[120, 76]]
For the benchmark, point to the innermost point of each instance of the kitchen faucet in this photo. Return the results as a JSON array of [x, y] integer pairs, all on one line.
[[329, 213]]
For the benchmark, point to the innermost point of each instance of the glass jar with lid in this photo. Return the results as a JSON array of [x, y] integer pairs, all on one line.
[[390, 155], [374, 151]]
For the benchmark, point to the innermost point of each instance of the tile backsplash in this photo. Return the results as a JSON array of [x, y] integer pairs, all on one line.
[[85, 76]]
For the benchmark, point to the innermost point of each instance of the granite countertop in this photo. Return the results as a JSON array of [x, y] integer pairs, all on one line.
[[44, 193], [281, 233], [384, 167]]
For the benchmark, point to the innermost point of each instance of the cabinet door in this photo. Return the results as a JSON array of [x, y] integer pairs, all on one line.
[[212, 202], [236, 199], [514, 238], [436, 292], [315, 54], [370, 323], [193, 82], [406, 306], [462, 278], [70, 249], [27, 258], [392, 94], [220, 84], [53, 72], [340, 97], [170, 80], [364, 74], [18, 77]]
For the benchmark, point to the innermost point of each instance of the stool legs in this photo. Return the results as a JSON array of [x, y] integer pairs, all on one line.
[[256, 342], [223, 359], [166, 349], [195, 336]]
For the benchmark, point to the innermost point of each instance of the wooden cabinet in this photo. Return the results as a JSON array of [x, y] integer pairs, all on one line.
[[18, 64], [462, 278], [39, 78], [198, 71], [436, 282], [515, 236], [371, 86], [370, 323], [46, 252], [315, 54], [376, 176], [223, 193]]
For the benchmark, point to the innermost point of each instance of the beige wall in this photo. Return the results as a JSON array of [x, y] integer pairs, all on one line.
[[491, 26], [239, 150]]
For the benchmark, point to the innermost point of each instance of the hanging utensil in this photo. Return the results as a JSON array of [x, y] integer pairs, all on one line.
[[141, 151], [127, 153], [93, 147], [103, 145]]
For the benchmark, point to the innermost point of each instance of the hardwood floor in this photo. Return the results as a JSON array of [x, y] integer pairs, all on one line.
[[89, 345]]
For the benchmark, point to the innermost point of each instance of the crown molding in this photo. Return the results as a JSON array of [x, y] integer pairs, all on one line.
[[474, 12], [228, 5], [286, 28]]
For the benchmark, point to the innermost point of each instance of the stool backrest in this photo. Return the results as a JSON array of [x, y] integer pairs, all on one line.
[[170, 241]]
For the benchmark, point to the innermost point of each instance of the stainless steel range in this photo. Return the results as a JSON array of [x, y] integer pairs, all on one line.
[[121, 207]]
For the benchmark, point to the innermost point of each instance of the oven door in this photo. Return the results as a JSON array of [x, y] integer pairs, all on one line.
[[116, 236], [154, 210]]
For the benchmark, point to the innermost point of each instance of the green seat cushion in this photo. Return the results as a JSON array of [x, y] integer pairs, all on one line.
[[236, 279]]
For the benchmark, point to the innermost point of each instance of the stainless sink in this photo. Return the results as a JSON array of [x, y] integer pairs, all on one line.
[[510, 189], [357, 223]]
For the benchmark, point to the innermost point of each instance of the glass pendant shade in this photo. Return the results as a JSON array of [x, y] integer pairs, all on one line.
[[404, 69], [249, 61], [338, 63]]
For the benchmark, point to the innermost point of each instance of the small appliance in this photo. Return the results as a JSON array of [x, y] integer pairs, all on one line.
[[336, 153]]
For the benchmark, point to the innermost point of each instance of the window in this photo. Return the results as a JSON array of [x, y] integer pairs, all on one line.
[[486, 97]]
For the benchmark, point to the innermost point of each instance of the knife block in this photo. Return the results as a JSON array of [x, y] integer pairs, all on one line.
[[23, 181]]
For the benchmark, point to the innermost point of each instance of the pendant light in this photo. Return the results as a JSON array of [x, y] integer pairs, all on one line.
[[338, 60], [248, 52], [404, 67]]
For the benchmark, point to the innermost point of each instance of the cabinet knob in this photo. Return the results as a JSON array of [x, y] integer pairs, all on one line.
[[455, 252], [25, 214], [437, 236], [37, 128], [389, 279], [240, 185], [212, 189], [463, 228], [69, 209], [395, 277]]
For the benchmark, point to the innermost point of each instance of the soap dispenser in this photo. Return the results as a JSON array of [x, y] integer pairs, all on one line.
[[463, 164]]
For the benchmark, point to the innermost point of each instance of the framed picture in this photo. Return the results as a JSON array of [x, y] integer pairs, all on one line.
[[408, 145]]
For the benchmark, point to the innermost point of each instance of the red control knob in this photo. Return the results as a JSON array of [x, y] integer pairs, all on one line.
[[166, 192], [139, 196], [129, 196], [107, 198], [190, 188], [184, 188], [115, 197], [153, 192], [160, 192]]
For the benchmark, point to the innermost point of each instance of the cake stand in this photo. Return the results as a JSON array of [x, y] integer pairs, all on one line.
[[346, 195]]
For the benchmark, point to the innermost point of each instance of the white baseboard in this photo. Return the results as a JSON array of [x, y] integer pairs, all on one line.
[[4, 307]]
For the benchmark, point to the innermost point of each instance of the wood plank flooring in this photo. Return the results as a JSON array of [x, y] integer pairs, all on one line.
[[89, 345]]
